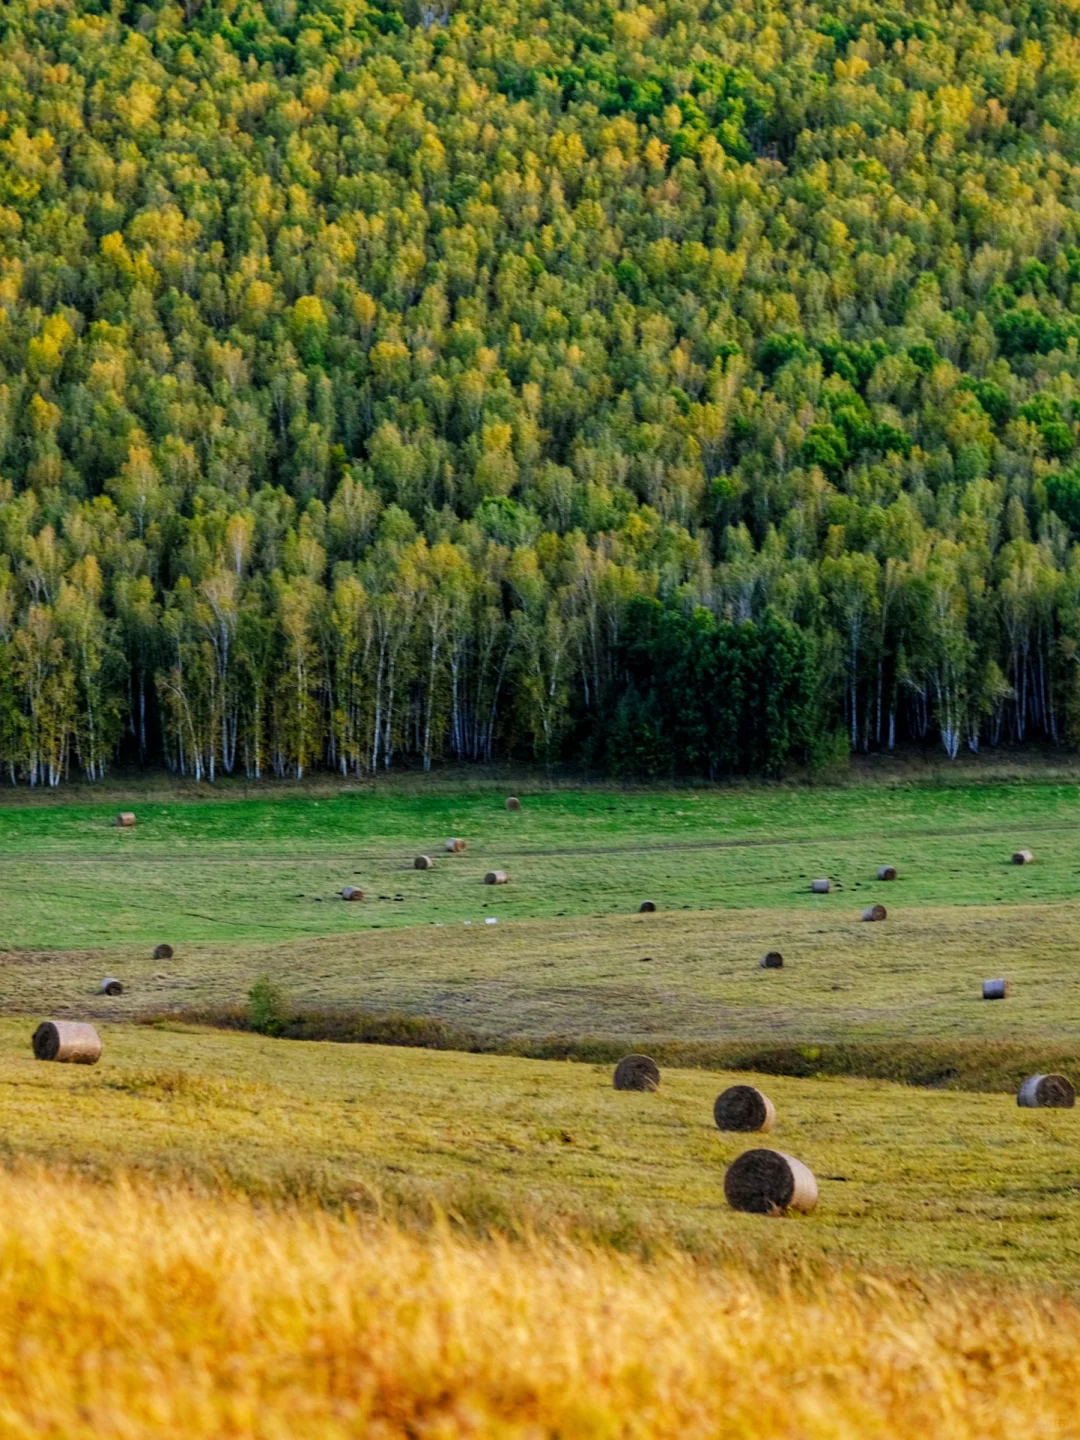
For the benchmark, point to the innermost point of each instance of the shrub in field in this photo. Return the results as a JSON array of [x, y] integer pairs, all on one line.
[[268, 1009]]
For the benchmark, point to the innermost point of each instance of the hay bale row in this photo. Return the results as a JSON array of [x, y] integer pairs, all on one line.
[[744, 1108], [768, 1182], [637, 1072], [759, 1182], [71, 1042], [995, 990], [495, 877], [1046, 1092]]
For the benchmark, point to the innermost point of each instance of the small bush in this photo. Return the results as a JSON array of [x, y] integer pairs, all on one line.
[[268, 1009]]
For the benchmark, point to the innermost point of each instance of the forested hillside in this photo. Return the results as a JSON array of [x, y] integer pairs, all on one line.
[[665, 388]]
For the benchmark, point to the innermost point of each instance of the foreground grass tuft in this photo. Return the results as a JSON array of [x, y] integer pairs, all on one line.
[[140, 1312]]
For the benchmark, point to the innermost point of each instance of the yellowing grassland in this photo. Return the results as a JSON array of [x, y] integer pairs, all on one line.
[[132, 1313], [216, 1233]]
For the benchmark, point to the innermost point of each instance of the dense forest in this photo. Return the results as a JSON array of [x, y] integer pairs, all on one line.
[[691, 387]]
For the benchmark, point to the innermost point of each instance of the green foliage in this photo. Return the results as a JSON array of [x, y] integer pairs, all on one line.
[[268, 1011], [700, 696], [360, 364], [1063, 492]]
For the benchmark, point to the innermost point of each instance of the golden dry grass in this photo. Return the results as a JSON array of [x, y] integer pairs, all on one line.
[[131, 1312], [934, 1181]]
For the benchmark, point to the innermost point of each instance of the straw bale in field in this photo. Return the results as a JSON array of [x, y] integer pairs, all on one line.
[[455, 847], [423, 862], [742, 1107], [126, 819], [646, 907], [886, 872], [109, 986], [995, 990], [637, 1072], [513, 803], [72, 1042], [163, 952], [821, 887], [768, 1182], [1050, 1092], [771, 960], [352, 892], [1022, 857], [495, 877], [874, 912]]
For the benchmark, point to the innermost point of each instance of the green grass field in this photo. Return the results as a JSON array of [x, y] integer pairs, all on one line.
[[245, 887], [268, 869]]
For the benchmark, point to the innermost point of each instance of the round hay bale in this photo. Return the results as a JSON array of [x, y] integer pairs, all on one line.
[[1050, 1092], [72, 1042], [495, 877], [995, 990], [886, 872], [821, 887], [126, 819], [423, 862], [637, 1072], [874, 912], [741, 1107], [352, 892], [768, 1182], [1022, 857], [513, 803], [163, 952], [771, 960], [456, 847], [647, 907], [109, 986]]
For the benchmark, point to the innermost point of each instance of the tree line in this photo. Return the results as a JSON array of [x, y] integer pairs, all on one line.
[[673, 388]]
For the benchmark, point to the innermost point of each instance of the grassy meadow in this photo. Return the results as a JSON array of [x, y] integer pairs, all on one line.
[[224, 870], [163, 1313], [216, 1232], [243, 887], [909, 1178]]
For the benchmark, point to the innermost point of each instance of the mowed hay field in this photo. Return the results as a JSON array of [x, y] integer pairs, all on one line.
[[246, 887], [212, 1234], [219, 1233], [909, 1179], [222, 870]]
